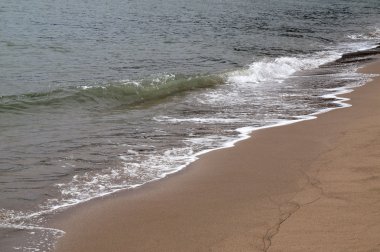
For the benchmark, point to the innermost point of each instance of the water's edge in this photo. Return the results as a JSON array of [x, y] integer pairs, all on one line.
[[248, 132]]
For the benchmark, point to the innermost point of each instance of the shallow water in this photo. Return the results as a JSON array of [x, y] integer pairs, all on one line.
[[96, 97]]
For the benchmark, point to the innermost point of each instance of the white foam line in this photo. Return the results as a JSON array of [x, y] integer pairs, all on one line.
[[245, 132], [56, 232], [195, 120], [31, 227]]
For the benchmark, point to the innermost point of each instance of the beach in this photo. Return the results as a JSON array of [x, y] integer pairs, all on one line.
[[186, 125], [308, 186]]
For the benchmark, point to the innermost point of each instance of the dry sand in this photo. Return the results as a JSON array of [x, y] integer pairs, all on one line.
[[310, 186]]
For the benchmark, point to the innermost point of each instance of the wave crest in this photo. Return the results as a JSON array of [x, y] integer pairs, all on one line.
[[279, 68], [121, 93]]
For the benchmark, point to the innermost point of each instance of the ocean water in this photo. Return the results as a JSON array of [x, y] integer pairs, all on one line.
[[100, 96]]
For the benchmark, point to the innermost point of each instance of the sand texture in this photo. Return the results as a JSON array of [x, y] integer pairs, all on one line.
[[310, 186]]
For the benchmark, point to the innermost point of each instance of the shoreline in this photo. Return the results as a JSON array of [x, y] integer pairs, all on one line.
[[221, 211]]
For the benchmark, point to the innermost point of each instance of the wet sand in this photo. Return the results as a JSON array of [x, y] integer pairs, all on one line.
[[310, 186]]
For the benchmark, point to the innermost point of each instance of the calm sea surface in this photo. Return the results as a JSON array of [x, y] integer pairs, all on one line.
[[99, 96]]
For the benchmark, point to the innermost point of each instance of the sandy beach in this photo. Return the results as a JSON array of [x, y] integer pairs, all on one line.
[[309, 186]]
